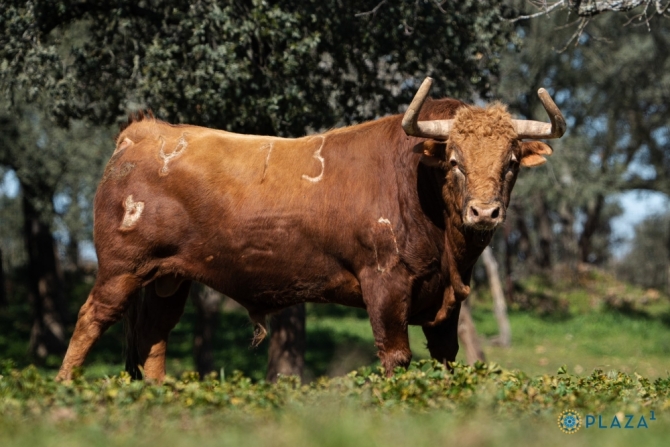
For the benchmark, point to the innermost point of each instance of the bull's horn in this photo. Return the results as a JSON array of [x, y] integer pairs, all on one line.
[[437, 129], [539, 130]]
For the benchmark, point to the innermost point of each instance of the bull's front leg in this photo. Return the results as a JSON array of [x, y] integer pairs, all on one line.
[[442, 338], [387, 298], [149, 329]]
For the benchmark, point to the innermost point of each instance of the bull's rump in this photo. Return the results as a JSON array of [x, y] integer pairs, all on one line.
[[264, 220]]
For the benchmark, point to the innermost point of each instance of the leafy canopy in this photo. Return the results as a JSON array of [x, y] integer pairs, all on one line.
[[274, 67]]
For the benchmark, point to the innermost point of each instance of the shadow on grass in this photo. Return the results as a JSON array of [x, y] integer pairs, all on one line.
[[545, 305], [628, 310]]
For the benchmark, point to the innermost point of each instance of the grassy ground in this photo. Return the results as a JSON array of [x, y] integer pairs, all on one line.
[[327, 426], [587, 322]]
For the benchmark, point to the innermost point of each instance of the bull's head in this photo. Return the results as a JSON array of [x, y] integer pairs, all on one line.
[[481, 150]]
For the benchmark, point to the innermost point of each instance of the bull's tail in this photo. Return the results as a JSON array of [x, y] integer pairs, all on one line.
[[131, 324]]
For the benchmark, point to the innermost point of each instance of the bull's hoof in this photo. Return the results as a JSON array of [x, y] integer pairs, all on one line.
[[393, 359], [63, 377]]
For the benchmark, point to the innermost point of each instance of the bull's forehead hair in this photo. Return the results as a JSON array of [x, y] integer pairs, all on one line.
[[493, 123]]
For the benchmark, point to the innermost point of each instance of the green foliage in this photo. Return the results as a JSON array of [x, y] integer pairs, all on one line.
[[275, 67], [647, 262], [425, 385]]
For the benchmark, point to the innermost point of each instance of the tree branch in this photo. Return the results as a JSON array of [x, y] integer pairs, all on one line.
[[545, 10], [373, 11], [590, 8]]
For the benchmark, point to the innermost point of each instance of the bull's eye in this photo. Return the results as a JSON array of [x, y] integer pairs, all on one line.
[[513, 163], [453, 162]]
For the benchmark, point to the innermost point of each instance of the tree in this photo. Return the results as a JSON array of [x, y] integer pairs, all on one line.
[[286, 355], [504, 337], [48, 161], [469, 337], [586, 10], [612, 89], [207, 303]]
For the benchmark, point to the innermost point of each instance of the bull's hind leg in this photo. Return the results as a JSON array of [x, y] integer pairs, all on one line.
[[105, 306], [149, 325]]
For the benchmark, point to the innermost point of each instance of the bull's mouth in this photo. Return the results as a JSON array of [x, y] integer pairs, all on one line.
[[484, 227], [481, 232]]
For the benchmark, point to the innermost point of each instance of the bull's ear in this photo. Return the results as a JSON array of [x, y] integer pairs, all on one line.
[[532, 153], [432, 153]]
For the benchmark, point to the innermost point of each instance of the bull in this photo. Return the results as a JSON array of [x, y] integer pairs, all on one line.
[[389, 215]]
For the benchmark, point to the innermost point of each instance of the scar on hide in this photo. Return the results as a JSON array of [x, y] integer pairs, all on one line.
[[133, 212], [318, 156], [126, 143], [178, 150], [118, 172], [269, 147], [379, 267], [384, 221]]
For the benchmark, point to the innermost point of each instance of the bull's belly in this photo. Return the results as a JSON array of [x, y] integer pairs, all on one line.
[[270, 279]]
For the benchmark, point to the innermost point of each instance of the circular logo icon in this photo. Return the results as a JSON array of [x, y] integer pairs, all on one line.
[[569, 421]]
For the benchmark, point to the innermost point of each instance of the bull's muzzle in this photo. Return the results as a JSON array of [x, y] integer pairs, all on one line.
[[482, 215]]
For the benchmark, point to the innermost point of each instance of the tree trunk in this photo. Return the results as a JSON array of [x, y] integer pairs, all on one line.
[[568, 240], [499, 306], [73, 253], [207, 304], [509, 253], [544, 232], [3, 290], [590, 227], [525, 247], [47, 336], [667, 246], [468, 336], [286, 355]]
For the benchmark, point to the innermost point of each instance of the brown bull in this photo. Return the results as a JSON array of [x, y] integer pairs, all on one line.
[[364, 216]]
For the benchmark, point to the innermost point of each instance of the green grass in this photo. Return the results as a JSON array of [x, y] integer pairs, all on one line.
[[589, 322], [326, 426]]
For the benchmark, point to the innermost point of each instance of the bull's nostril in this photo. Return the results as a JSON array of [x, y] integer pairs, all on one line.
[[474, 211], [495, 213]]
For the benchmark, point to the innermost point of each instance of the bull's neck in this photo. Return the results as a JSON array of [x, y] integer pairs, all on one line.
[[462, 249]]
